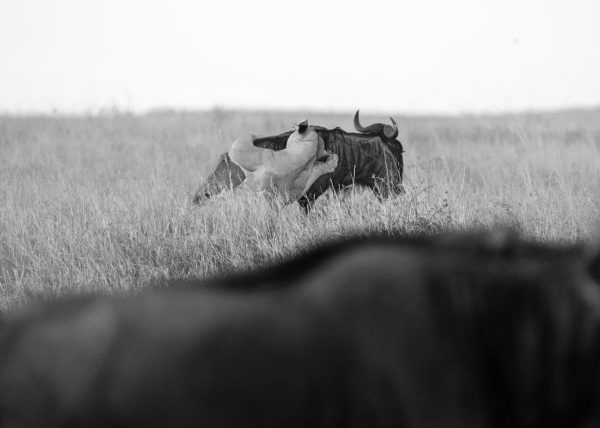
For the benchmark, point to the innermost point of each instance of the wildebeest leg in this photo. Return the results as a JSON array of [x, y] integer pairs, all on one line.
[[306, 202], [383, 188], [379, 188]]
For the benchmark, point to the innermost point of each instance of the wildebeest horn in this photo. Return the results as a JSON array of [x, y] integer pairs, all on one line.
[[303, 126], [391, 132], [376, 128]]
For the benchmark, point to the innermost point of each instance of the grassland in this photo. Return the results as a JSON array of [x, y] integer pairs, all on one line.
[[101, 203]]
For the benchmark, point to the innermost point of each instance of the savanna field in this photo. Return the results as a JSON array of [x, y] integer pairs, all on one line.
[[102, 202]]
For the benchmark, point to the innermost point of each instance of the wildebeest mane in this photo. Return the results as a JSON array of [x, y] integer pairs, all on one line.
[[279, 142], [339, 136], [394, 145]]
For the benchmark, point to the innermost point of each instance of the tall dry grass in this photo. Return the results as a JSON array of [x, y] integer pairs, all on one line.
[[101, 203]]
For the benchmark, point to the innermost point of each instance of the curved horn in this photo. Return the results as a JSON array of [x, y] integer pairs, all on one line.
[[391, 132], [376, 128], [357, 124]]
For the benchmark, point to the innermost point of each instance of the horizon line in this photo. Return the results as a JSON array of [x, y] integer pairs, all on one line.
[[116, 110]]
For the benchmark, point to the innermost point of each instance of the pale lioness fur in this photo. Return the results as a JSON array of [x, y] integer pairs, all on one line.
[[289, 172]]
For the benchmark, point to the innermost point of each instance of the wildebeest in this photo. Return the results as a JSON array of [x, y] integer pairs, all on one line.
[[459, 331], [288, 172], [372, 158]]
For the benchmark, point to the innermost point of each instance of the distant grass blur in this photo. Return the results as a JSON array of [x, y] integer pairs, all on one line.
[[101, 203]]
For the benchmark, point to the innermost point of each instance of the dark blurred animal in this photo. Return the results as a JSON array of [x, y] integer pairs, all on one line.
[[372, 158], [459, 331]]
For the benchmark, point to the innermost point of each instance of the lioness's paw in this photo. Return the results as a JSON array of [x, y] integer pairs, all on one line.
[[331, 162]]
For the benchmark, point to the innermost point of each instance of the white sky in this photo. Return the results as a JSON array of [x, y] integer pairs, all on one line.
[[402, 56]]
